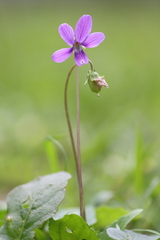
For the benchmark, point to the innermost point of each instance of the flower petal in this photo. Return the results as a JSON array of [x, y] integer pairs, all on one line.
[[93, 40], [62, 54], [80, 58], [83, 28], [67, 34]]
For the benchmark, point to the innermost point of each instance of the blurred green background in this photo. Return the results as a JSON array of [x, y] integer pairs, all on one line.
[[120, 131]]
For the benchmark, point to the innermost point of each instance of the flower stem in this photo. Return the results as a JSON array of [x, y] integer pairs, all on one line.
[[91, 65], [67, 114], [79, 165], [77, 155]]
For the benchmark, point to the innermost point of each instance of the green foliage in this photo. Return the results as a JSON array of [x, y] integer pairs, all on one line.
[[106, 215], [31, 103], [122, 222], [50, 143], [31, 204], [140, 164], [116, 233], [41, 235], [90, 214], [52, 156], [2, 215], [71, 227], [31, 99]]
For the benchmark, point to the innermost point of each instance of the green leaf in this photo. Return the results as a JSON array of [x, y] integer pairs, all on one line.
[[121, 222], [3, 237], [90, 214], [103, 236], [133, 235], [147, 230], [40, 235], [106, 215], [31, 204], [3, 210], [124, 220], [52, 156], [71, 227], [50, 143], [139, 159], [117, 234], [2, 215]]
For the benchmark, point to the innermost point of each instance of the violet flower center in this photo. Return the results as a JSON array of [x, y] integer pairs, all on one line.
[[77, 47]]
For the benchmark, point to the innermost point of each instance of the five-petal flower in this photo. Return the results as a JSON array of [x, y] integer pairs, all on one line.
[[78, 40]]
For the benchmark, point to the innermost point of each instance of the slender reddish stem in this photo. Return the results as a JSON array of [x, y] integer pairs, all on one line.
[[67, 114], [77, 154], [79, 165]]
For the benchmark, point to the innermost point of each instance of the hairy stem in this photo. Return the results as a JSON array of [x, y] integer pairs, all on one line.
[[77, 155]]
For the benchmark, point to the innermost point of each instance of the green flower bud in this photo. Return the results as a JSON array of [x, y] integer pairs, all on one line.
[[95, 81]]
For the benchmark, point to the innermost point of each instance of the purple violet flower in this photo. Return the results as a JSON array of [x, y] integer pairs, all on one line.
[[78, 40]]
